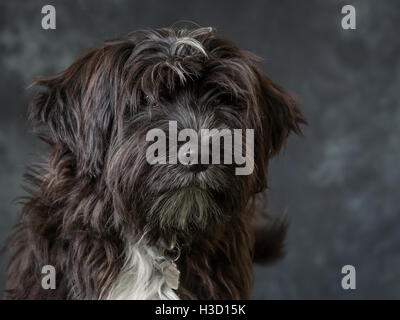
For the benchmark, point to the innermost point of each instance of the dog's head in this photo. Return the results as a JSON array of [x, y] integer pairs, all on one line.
[[105, 109]]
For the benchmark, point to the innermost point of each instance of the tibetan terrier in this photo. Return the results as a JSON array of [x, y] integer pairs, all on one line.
[[115, 225]]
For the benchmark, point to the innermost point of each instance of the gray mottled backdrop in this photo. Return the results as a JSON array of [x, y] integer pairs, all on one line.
[[339, 185]]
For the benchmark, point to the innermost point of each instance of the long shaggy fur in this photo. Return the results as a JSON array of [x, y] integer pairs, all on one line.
[[105, 218]]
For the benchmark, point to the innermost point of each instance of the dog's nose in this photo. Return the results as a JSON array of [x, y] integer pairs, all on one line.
[[197, 167], [192, 155]]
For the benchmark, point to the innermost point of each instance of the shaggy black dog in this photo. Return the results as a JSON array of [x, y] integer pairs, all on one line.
[[115, 226]]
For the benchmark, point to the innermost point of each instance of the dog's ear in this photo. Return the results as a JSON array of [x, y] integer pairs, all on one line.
[[75, 111], [276, 115], [53, 116], [280, 114]]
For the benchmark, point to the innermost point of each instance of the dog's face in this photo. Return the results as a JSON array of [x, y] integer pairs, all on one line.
[[99, 112]]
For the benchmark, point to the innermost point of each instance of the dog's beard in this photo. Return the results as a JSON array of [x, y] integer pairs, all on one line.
[[180, 205], [185, 210]]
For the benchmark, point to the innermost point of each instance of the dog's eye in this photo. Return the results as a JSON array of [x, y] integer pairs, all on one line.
[[149, 102]]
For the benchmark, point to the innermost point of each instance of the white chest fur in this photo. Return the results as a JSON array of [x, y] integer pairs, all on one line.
[[146, 275]]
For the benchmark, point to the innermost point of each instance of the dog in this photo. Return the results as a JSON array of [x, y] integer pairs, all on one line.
[[113, 225]]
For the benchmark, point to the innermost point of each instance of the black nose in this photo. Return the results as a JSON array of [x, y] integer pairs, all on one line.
[[197, 167]]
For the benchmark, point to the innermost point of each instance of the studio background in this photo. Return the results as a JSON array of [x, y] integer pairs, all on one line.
[[339, 185]]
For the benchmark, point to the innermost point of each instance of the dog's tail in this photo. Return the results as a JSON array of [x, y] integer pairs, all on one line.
[[269, 238], [269, 233]]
